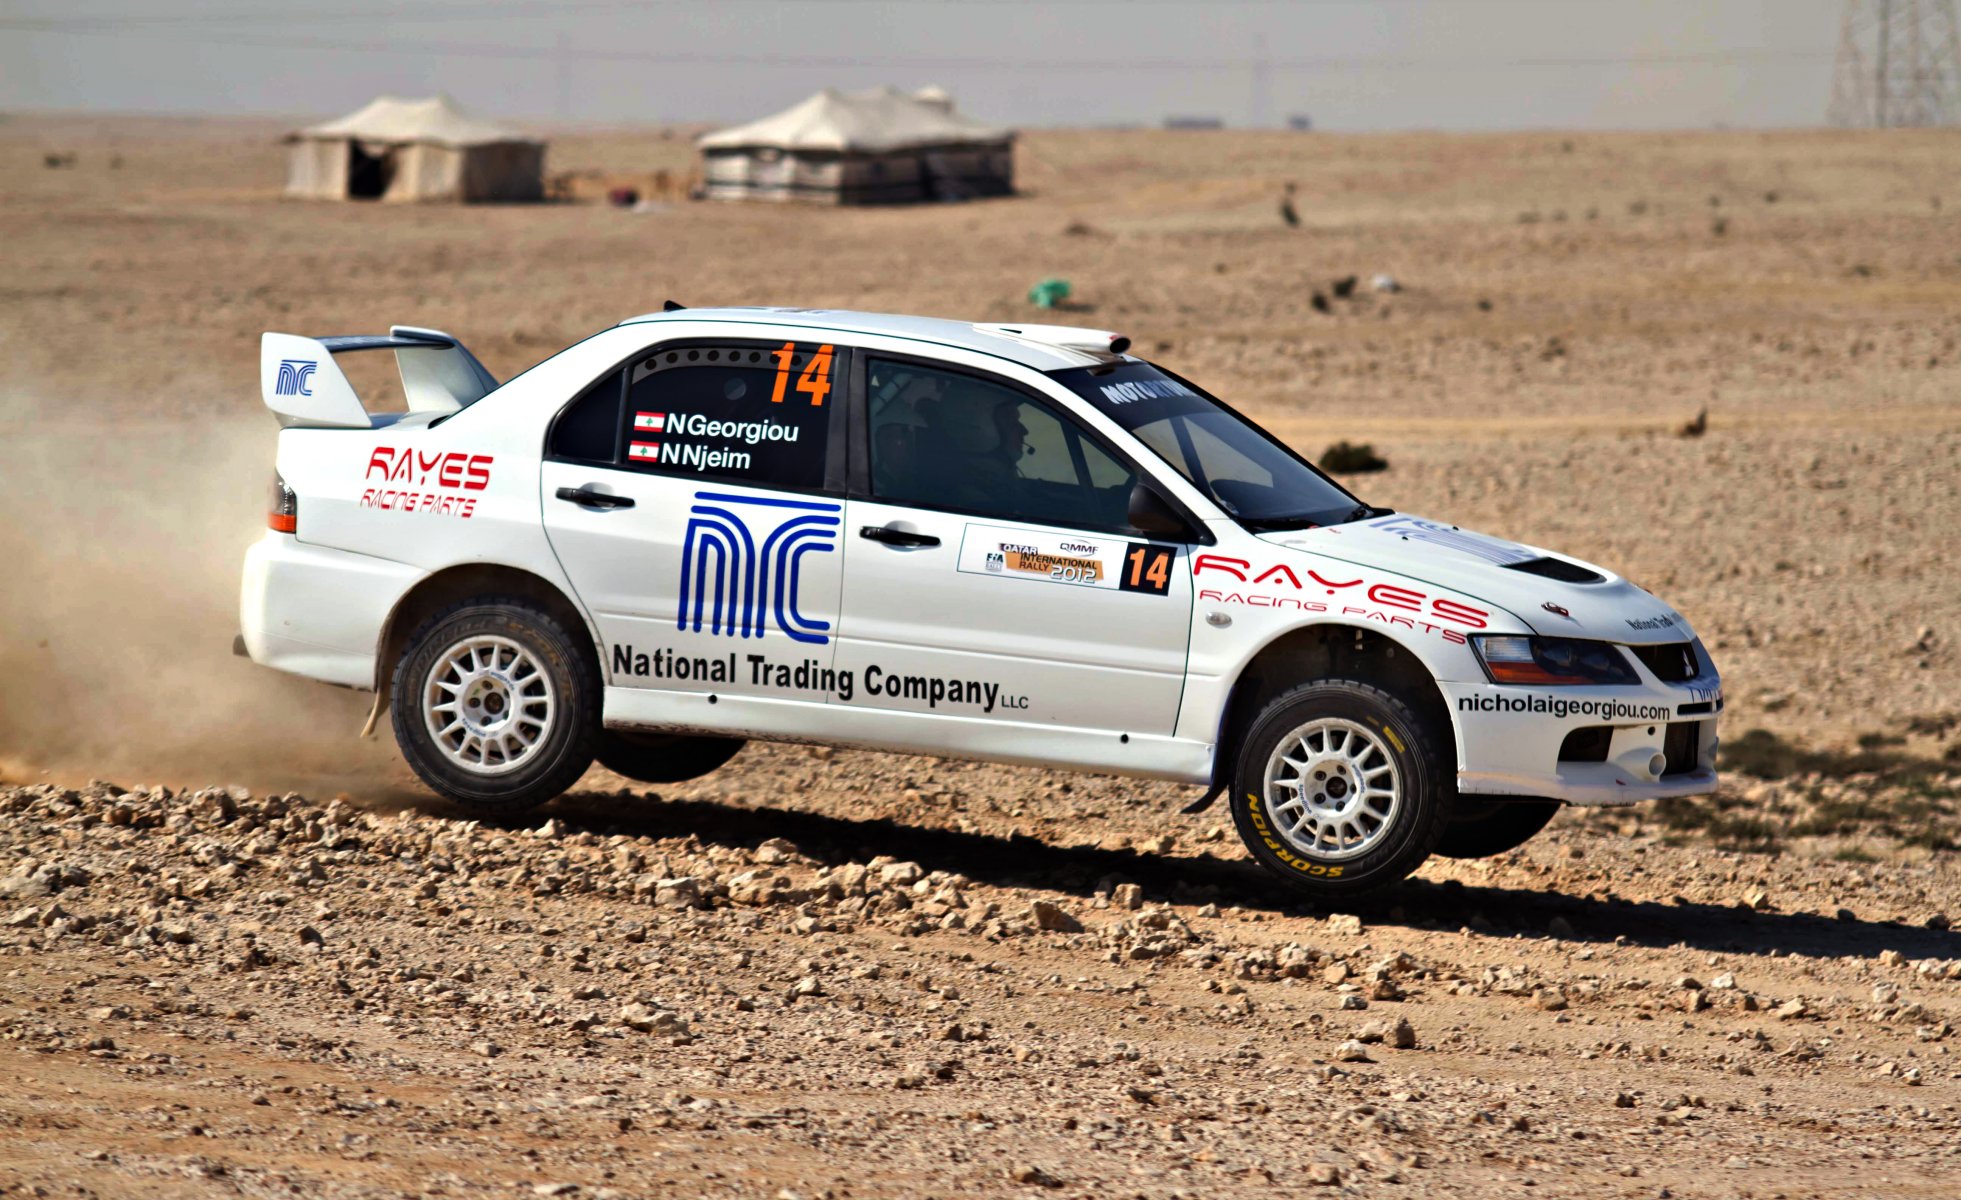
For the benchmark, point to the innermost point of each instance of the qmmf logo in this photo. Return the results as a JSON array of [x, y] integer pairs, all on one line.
[[738, 587], [295, 377]]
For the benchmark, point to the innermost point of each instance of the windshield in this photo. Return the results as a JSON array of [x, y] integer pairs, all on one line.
[[1245, 470]]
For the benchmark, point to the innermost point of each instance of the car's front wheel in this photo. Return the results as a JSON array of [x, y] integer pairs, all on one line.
[[497, 704], [1341, 788]]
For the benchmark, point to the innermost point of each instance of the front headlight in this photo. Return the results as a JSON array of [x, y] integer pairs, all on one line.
[[1509, 658]]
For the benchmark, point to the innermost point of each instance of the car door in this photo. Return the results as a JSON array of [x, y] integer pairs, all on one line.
[[989, 571], [693, 500]]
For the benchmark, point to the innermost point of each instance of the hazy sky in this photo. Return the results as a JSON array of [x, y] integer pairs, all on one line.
[[1349, 64]]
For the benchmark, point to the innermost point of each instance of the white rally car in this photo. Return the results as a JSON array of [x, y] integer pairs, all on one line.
[[1006, 542]]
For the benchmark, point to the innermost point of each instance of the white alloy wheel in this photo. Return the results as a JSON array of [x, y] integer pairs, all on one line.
[[1333, 789], [488, 704]]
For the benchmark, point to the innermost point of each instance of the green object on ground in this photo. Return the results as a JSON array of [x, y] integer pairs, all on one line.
[[1049, 293]]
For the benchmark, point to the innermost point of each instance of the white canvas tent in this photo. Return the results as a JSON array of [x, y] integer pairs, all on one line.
[[878, 147], [410, 150]]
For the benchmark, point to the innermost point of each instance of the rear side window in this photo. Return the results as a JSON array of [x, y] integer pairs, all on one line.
[[743, 413], [588, 428]]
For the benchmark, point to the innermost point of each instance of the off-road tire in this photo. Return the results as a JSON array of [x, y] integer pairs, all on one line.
[[563, 750], [1420, 753], [664, 757], [1480, 828]]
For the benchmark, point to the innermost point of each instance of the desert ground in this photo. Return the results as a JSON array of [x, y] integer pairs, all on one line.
[[243, 953]]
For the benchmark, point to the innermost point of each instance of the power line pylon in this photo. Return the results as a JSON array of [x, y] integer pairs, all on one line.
[[1899, 63]]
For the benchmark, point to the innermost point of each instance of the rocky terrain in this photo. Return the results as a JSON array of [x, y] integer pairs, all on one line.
[[265, 963], [211, 992]]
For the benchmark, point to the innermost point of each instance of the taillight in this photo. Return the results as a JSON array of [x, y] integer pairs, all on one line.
[[282, 506]]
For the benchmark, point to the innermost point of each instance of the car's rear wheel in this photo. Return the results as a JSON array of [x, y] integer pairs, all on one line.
[[1341, 788], [664, 757], [496, 704], [1480, 828]]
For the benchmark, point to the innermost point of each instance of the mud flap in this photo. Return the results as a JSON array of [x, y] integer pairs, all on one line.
[[1206, 801], [374, 714]]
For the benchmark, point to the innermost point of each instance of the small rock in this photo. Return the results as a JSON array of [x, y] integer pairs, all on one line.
[[1127, 895], [775, 852], [1034, 1176], [486, 1049], [903, 874], [678, 893], [1352, 1052], [1559, 927], [1050, 917], [1323, 1174], [649, 1019], [1345, 923], [1550, 999], [809, 985]]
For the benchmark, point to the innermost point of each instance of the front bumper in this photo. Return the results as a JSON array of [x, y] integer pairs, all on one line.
[[1517, 741]]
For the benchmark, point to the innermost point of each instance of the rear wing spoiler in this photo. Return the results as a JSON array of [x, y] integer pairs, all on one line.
[[304, 388]]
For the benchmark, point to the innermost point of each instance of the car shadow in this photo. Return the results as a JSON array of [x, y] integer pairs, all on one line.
[[1080, 871]]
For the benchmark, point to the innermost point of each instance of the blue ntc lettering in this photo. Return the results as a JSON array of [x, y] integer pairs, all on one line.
[[738, 588], [295, 377]]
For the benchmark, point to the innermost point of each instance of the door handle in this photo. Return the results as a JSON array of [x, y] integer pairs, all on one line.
[[585, 497], [897, 537]]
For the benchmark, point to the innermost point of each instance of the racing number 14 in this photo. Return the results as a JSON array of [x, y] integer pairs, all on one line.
[[1147, 568], [815, 381]]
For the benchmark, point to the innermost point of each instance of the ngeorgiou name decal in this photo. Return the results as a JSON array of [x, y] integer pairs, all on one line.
[[653, 433]]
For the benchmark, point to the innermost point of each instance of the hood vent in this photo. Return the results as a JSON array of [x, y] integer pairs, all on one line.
[[1557, 568]]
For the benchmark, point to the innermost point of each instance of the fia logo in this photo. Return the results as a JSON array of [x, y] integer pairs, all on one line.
[[737, 587], [996, 561], [295, 377]]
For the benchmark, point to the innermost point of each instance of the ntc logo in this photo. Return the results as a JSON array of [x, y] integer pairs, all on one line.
[[747, 584], [295, 377]]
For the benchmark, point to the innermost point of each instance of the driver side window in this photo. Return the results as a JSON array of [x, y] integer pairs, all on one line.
[[942, 439]]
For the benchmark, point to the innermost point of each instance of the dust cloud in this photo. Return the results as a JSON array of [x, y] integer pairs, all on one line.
[[121, 542]]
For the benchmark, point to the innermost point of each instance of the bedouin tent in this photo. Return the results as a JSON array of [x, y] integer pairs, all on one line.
[[410, 150], [878, 147]]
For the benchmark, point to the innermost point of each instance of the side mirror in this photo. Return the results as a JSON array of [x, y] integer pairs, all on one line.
[[1152, 514]]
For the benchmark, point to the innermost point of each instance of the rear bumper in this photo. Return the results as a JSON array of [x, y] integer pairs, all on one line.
[[1513, 741], [317, 612]]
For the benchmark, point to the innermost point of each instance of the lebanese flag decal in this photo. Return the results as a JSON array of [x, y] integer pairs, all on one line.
[[650, 422], [644, 451]]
